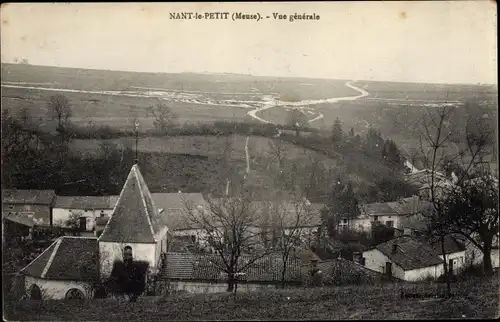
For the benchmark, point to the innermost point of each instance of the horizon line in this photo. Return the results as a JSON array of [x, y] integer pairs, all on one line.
[[253, 75]]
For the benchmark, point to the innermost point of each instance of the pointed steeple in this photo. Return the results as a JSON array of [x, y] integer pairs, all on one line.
[[135, 218]]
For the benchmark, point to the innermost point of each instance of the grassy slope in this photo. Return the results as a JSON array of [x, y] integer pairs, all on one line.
[[474, 299], [188, 161]]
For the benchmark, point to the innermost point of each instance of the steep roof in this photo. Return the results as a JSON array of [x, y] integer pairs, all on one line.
[[135, 218], [68, 258], [410, 254], [451, 245], [18, 218], [207, 267], [22, 196], [85, 202]]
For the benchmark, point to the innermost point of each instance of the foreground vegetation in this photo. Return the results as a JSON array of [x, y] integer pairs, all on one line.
[[475, 298]]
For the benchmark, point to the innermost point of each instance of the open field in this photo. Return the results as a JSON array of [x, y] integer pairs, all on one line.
[[201, 145], [476, 298], [117, 98]]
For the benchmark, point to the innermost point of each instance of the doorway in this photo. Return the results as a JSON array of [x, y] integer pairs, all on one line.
[[388, 269]]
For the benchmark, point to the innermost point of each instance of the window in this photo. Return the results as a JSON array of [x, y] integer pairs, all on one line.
[[389, 223], [375, 218], [127, 253], [11, 207]]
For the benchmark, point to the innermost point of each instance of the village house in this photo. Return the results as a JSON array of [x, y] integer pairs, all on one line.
[[85, 209], [33, 204], [412, 259], [416, 227], [422, 179], [16, 228], [70, 265], [204, 273], [392, 214], [66, 270]]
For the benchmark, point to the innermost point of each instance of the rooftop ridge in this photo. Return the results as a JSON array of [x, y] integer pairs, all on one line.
[[148, 215], [51, 259], [114, 208], [24, 268]]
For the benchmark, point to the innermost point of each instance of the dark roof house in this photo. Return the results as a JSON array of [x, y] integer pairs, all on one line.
[[405, 206], [21, 196], [409, 253], [209, 268], [68, 258], [85, 202]]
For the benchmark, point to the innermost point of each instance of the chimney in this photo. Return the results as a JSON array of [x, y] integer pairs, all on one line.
[[394, 248]]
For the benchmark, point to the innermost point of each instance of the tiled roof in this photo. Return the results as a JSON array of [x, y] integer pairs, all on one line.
[[410, 254], [18, 218], [173, 208], [208, 267], [85, 202], [451, 245], [424, 176], [19, 196], [340, 265], [405, 206], [379, 209], [68, 258], [135, 217]]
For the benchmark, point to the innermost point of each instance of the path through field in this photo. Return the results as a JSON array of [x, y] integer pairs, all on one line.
[[269, 103]]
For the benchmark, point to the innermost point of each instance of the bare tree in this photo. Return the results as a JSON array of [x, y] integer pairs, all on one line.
[[473, 213], [278, 151], [164, 117], [291, 221], [229, 224], [435, 150], [59, 107]]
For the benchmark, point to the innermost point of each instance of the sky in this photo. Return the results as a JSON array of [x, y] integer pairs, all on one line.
[[438, 42]]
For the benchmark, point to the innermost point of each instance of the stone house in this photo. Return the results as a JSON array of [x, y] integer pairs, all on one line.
[[86, 208], [411, 259], [33, 204], [393, 214]]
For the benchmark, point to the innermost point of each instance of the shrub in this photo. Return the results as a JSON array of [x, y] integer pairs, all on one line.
[[128, 278]]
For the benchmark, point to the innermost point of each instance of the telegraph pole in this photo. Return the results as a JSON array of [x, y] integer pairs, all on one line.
[[136, 124]]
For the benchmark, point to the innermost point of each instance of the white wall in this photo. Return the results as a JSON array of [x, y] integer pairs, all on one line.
[[204, 287], [384, 218], [376, 260], [361, 224], [458, 260], [56, 290], [421, 273], [109, 252], [61, 215]]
